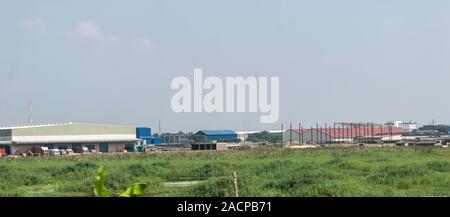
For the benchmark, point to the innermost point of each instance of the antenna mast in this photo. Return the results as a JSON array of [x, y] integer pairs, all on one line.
[[30, 110]]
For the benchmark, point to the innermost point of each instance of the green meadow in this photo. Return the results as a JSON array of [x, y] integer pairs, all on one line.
[[328, 172]]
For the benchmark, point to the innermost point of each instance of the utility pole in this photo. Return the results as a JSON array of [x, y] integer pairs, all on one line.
[[317, 132], [351, 132], [30, 110], [365, 133], [390, 133], [381, 130], [290, 134], [358, 134], [373, 136], [321, 133], [334, 131], [330, 130], [159, 127], [300, 134], [346, 130]]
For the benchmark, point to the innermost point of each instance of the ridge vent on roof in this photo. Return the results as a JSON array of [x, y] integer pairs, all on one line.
[[33, 125]]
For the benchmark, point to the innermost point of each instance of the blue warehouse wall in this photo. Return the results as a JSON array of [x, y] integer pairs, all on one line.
[[144, 133], [221, 137], [156, 140], [218, 134]]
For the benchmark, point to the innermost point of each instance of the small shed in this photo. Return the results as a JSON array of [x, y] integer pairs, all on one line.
[[209, 146]]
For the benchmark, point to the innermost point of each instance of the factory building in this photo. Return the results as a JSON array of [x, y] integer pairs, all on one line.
[[101, 138], [338, 135], [408, 125], [218, 135], [179, 138]]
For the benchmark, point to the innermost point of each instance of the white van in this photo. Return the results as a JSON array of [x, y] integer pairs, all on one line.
[[55, 152]]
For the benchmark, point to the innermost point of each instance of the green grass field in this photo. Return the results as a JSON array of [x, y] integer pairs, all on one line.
[[261, 172]]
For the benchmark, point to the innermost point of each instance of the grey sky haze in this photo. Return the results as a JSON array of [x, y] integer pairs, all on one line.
[[112, 61]]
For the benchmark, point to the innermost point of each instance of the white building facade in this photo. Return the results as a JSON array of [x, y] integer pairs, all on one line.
[[407, 125]]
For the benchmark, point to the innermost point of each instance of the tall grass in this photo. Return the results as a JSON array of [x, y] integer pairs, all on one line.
[[262, 172]]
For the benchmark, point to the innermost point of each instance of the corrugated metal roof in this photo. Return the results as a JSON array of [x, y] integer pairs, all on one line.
[[32, 126], [248, 132], [53, 124], [258, 131]]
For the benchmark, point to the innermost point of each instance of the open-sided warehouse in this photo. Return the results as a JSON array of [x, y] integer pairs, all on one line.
[[336, 135], [101, 138]]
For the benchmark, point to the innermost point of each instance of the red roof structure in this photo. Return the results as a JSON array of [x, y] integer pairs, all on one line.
[[356, 132]]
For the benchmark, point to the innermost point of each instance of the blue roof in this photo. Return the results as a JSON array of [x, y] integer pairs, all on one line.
[[217, 132]]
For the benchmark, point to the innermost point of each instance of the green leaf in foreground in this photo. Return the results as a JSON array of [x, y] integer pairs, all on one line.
[[134, 190], [100, 188]]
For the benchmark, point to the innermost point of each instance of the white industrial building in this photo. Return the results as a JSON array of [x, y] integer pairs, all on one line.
[[407, 125], [101, 138]]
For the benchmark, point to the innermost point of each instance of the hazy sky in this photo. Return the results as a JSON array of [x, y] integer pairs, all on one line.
[[113, 61]]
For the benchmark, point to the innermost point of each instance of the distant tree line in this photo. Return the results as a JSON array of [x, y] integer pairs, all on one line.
[[195, 138], [441, 129], [265, 136]]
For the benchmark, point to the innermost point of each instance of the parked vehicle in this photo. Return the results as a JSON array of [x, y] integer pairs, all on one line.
[[82, 150], [2, 152], [405, 143], [63, 151], [69, 151], [440, 143], [55, 152], [150, 148], [40, 151]]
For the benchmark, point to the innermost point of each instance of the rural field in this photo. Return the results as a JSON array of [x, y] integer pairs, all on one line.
[[357, 171]]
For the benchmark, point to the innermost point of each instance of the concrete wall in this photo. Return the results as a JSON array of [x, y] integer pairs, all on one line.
[[393, 137], [115, 147], [221, 146]]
